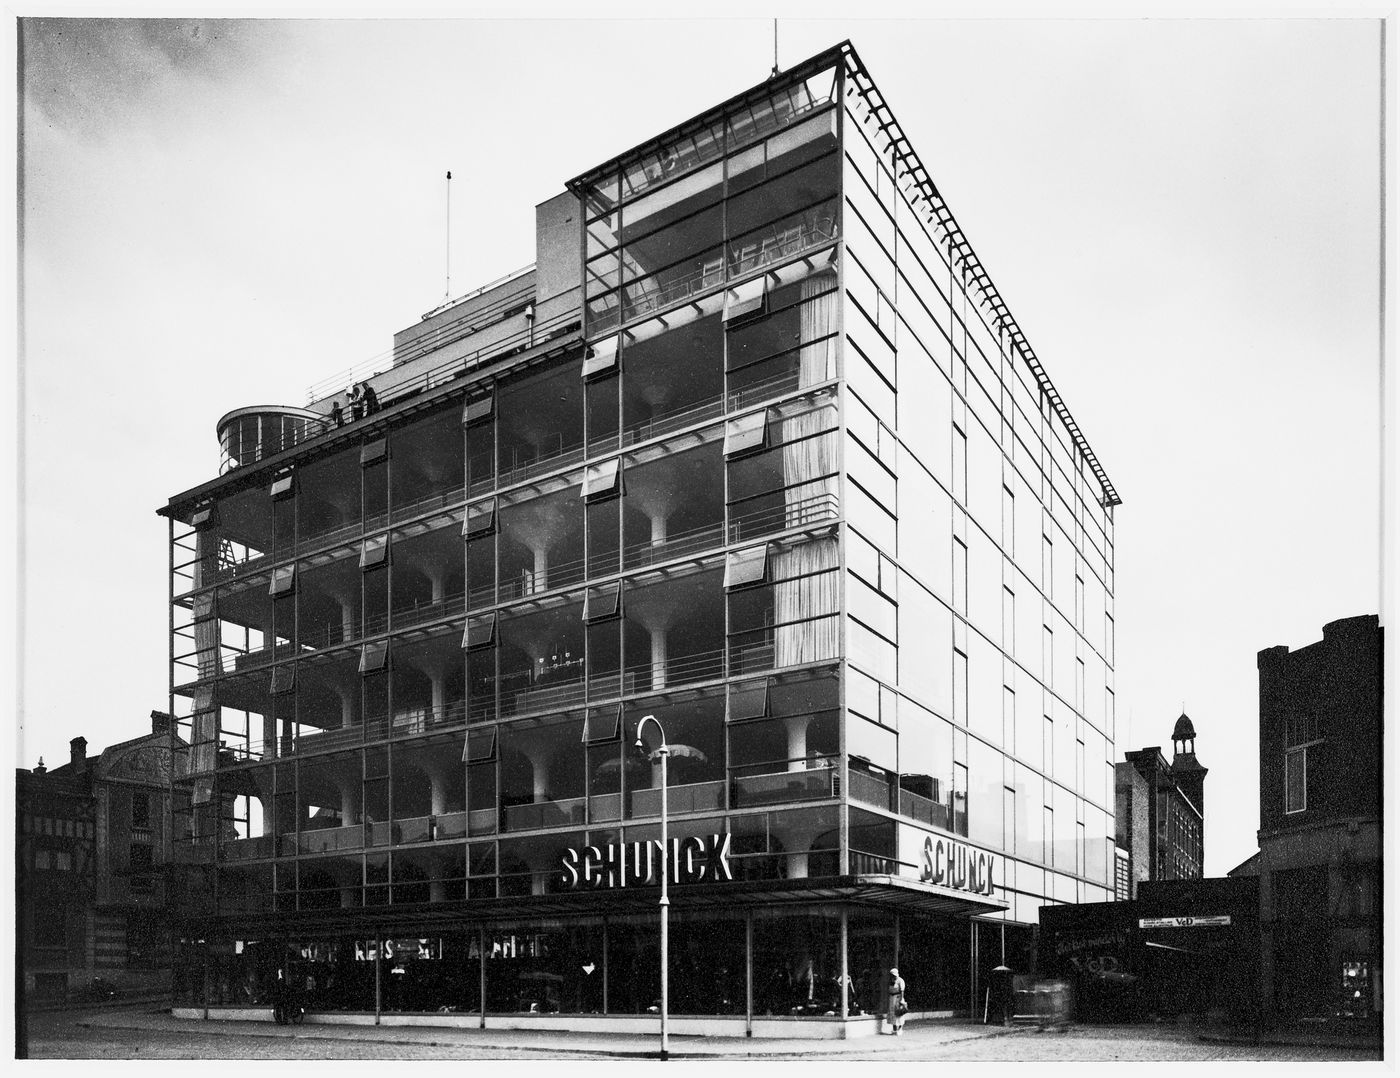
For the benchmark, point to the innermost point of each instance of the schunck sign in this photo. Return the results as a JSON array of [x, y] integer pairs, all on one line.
[[638, 864], [957, 865]]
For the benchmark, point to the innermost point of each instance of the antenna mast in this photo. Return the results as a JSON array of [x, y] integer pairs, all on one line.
[[447, 291], [775, 49]]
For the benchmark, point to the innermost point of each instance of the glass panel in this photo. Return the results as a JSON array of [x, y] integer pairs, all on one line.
[[746, 567], [745, 433]]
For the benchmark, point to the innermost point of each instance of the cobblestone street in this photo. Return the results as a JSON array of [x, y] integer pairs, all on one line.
[[139, 1032]]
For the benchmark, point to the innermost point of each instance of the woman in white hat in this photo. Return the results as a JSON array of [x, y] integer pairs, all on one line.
[[897, 1008]]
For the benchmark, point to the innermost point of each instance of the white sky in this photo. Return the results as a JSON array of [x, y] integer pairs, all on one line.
[[1183, 215]]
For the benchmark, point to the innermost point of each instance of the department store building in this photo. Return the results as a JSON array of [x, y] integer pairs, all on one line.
[[754, 447]]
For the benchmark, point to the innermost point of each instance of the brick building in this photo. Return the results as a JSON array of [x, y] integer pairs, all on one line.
[[89, 879], [1319, 859], [1160, 813]]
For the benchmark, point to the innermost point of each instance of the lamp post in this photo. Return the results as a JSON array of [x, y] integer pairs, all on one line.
[[662, 751]]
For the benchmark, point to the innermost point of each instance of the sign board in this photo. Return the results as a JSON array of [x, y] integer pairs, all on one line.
[[946, 862], [1214, 921], [638, 864]]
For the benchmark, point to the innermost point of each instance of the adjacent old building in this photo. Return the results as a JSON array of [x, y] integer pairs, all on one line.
[[1319, 859], [90, 876], [754, 447], [1181, 947], [1160, 812]]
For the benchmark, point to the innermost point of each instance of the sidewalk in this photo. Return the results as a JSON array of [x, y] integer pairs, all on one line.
[[1300, 1036], [930, 1033]]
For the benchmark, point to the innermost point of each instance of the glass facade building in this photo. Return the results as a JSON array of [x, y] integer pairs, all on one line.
[[756, 449]]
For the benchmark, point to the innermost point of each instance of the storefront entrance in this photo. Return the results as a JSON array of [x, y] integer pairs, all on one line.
[[751, 971]]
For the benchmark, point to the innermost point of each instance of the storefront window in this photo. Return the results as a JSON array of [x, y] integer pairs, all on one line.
[[870, 955], [428, 975], [553, 968], [707, 965], [935, 962], [634, 970], [796, 962], [333, 974]]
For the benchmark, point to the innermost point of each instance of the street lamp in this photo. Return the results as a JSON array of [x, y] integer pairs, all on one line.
[[663, 751]]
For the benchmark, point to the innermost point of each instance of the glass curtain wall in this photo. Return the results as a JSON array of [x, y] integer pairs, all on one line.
[[974, 526]]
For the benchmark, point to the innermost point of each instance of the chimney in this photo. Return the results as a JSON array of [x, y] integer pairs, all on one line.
[[160, 722], [41, 769], [78, 754]]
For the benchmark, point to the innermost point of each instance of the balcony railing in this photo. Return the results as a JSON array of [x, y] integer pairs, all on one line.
[[812, 778], [440, 500], [560, 694], [868, 788], [523, 465], [692, 797], [782, 239], [532, 582], [535, 815], [917, 807], [676, 670], [406, 722], [802, 513], [419, 611], [676, 545], [676, 419]]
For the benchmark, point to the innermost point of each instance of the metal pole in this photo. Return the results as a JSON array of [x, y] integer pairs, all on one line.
[[748, 973], [665, 907], [481, 938], [662, 751], [378, 980], [845, 965]]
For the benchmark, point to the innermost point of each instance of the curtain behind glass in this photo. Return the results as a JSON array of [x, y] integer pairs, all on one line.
[[817, 323], [799, 594], [809, 467]]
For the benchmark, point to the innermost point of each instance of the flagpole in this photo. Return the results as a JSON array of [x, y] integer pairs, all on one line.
[[447, 292]]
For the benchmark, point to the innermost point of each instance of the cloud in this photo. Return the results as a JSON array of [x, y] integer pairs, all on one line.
[[86, 75]]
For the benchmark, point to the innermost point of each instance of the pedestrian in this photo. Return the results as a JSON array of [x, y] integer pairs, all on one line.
[[337, 416], [281, 996], [357, 404], [896, 1009], [371, 399]]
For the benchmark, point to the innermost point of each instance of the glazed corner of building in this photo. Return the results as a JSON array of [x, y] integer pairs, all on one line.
[[542, 304]]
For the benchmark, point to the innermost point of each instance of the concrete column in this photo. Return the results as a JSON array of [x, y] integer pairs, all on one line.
[[350, 795], [797, 840], [270, 734], [437, 785], [438, 679], [437, 580], [347, 704], [347, 619], [350, 800], [658, 658], [265, 804], [541, 580], [658, 528], [797, 741], [349, 627], [541, 768]]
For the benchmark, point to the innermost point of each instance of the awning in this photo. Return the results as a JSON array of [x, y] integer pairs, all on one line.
[[887, 892]]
